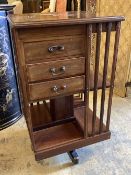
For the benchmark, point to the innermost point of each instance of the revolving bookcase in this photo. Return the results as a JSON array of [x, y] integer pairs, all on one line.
[[54, 63]]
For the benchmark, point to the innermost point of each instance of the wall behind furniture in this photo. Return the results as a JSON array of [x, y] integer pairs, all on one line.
[[120, 7]]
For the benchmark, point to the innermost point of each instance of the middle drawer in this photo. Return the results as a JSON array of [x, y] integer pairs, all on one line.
[[55, 69]]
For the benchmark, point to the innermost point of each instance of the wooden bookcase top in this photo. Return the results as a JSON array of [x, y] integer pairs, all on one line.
[[48, 19]]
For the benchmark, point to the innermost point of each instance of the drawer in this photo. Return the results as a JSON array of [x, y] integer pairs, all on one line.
[[55, 88], [58, 47], [55, 69], [38, 33]]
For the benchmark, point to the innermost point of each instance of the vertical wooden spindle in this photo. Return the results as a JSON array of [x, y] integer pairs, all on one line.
[[117, 36], [31, 106], [107, 45], [87, 77], [38, 103], [97, 58]]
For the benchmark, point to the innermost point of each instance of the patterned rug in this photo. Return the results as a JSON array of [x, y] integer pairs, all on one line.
[[112, 157]]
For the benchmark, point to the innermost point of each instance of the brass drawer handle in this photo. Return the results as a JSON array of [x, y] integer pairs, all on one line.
[[58, 89], [60, 71], [56, 48]]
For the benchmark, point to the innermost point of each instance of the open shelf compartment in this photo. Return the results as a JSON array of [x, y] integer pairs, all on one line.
[[65, 133], [57, 135]]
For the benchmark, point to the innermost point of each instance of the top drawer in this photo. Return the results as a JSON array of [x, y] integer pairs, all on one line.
[[51, 48], [38, 33]]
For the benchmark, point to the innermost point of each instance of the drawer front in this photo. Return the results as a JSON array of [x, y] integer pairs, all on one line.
[[38, 33], [55, 88], [55, 69], [56, 47]]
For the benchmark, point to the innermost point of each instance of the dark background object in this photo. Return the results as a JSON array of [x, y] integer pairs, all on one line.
[[35, 6], [7, 8], [74, 2], [31, 6], [45, 4], [3, 2], [10, 110]]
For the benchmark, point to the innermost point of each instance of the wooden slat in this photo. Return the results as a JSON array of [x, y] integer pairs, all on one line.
[[107, 45], [97, 58], [118, 26], [87, 77]]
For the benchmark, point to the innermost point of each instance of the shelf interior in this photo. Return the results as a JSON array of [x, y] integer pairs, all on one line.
[[65, 133], [42, 118], [57, 135], [79, 114]]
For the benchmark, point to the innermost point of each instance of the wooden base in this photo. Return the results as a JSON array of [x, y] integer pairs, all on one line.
[[66, 136], [71, 146]]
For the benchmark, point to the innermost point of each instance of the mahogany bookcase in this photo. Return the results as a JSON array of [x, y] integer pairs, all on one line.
[[53, 58]]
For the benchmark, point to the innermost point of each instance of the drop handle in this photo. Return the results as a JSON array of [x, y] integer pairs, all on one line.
[[54, 89], [56, 48], [53, 70], [58, 89], [59, 71], [62, 69]]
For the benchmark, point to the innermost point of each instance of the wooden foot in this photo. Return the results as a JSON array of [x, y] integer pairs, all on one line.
[[74, 156]]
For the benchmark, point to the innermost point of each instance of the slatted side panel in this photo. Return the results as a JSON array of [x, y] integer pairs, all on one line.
[[105, 108]]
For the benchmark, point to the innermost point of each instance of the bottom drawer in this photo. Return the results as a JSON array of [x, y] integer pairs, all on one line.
[[55, 88]]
